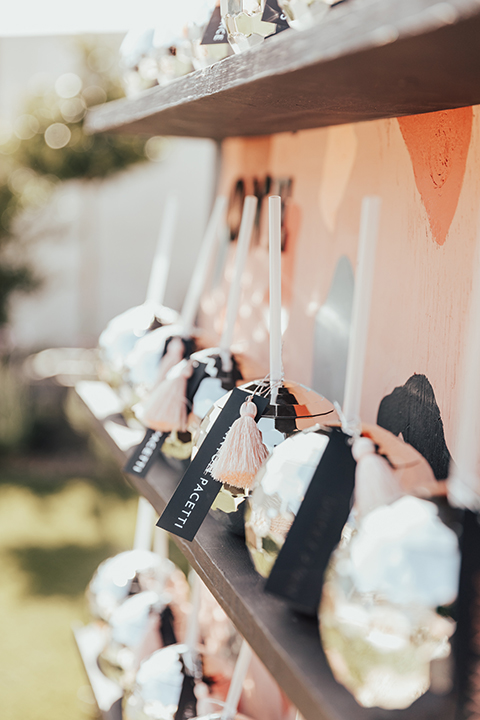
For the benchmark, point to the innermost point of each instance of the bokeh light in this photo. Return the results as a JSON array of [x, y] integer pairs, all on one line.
[[26, 126], [154, 148], [57, 135], [68, 85]]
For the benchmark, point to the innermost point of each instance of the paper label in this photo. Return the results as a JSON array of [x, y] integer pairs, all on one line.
[[197, 490], [187, 705], [167, 630], [216, 32], [297, 575], [193, 382], [143, 456]]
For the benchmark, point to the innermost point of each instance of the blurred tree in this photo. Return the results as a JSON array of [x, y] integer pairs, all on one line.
[[14, 273], [48, 145], [51, 138]]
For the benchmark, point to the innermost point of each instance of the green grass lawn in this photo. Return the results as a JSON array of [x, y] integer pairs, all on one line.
[[53, 534]]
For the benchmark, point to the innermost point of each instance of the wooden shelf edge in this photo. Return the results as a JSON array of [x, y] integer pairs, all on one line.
[[287, 643], [369, 59]]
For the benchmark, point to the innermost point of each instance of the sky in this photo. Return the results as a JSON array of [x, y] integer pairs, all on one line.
[[52, 17]]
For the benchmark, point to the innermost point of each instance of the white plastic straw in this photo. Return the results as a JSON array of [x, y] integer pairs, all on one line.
[[236, 685], [160, 542], [144, 526], [243, 244], [464, 481], [362, 296], [193, 625], [197, 283], [157, 283], [275, 252]]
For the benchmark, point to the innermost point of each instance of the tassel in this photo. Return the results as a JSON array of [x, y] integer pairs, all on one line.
[[242, 452], [174, 354], [165, 409], [375, 481]]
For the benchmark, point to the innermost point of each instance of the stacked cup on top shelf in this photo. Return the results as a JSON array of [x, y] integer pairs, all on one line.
[[190, 36]]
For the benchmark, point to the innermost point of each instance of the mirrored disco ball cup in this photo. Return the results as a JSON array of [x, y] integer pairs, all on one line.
[[279, 490], [158, 684], [379, 620], [204, 55], [138, 66], [282, 482], [128, 573], [135, 630], [154, 56], [213, 373], [292, 407], [121, 335], [243, 20], [143, 363], [221, 376], [155, 694]]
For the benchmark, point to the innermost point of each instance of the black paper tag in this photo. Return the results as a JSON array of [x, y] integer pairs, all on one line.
[[193, 382], [167, 630], [216, 32], [298, 572], [144, 454], [187, 705], [273, 13], [197, 490], [467, 636]]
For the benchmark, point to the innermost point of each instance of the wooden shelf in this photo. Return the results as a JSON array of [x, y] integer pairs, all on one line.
[[108, 695], [369, 59], [287, 643]]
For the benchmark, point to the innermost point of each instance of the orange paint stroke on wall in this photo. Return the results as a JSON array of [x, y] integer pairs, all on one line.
[[438, 146]]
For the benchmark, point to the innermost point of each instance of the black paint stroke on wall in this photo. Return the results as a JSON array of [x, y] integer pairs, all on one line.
[[413, 411]]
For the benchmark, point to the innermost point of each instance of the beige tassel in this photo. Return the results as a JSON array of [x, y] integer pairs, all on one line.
[[165, 409], [242, 452], [174, 354], [375, 481]]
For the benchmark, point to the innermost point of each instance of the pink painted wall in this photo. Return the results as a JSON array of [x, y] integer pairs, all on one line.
[[425, 169]]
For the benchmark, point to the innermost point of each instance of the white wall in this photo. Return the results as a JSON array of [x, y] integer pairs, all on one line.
[[98, 239]]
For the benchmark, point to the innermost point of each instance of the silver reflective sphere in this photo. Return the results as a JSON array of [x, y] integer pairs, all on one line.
[[204, 55], [382, 636], [138, 66], [142, 363], [121, 335], [243, 20], [280, 487], [134, 629], [125, 574], [157, 687], [292, 407], [221, 376], [156, 55]]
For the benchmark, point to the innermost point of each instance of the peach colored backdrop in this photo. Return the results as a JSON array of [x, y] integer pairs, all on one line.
[[425, 168]]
